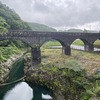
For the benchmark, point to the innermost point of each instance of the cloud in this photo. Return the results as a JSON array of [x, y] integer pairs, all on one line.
[[57, 13]]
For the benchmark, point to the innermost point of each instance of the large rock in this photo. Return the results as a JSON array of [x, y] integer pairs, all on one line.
[[65, 83]]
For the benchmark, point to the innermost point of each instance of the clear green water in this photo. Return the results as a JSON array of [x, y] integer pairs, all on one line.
[[23, 90]]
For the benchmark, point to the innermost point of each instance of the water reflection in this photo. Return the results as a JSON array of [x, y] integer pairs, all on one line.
[[46, 96], [22, 91]]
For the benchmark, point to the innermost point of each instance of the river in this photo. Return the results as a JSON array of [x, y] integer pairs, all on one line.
[[23, 90], [77, 47]]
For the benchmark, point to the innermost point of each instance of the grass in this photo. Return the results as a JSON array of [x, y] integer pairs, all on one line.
[[54, 60], [51, 43], [79, 59], [7, 52], [89, 61], [79, 42], [97, 43]]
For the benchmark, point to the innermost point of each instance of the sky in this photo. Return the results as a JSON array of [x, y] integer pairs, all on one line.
[[60, 14]]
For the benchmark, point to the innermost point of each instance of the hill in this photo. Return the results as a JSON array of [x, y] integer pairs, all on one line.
[[74, 30], [89, 31], [80, 30], [9, 19], [41, 27]]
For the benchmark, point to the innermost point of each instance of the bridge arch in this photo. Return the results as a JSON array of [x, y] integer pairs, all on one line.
[[50, 50], [88, 46], [96, 43], [54, 42], [53, 39], [80, 41]]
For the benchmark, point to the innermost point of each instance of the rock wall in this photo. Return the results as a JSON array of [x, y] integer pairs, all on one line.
[[6, 67]]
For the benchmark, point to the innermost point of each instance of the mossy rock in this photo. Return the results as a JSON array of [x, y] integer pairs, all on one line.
[[70, 83]]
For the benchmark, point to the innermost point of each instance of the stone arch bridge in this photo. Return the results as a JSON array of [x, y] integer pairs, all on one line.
[[36, 39]]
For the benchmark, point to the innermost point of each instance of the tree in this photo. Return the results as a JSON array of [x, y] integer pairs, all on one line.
[[12, 19], [85, 31], [3, 25]]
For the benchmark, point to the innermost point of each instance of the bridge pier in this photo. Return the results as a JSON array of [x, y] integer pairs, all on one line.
[[67, 50], [36, 56], [89, 47]]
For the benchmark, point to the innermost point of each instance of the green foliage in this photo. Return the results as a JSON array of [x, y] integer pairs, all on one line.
[[68, 81], [48, 44], [78, 42], [74, 85], [17, 43], [6, 52], [12, 19], [73, 64], [4, 43], [97, 43], [2, 30], [3, 25]]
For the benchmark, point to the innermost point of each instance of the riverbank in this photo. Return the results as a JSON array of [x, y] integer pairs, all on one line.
[[7, 66]]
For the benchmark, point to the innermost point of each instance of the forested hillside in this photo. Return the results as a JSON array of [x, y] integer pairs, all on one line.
[[41, 27], [10, 20]]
